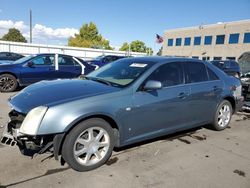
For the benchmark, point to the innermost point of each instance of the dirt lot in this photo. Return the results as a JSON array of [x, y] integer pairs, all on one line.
[[196, 158]]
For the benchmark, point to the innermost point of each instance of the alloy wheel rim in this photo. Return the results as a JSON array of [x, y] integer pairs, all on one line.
[[91, 146], [6, 83], [224, 116]]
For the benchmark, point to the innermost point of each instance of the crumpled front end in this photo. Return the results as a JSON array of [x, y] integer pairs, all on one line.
[[29, 145]]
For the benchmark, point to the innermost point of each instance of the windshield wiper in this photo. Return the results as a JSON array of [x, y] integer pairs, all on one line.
[[98, 80], [102, 81]]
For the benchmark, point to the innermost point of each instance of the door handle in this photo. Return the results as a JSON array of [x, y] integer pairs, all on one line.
[[182, 95]]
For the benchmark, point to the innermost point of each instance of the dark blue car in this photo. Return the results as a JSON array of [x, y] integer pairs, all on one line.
[[104, 59], [9, 56], [35, 68], [122, 103], [230, 67]]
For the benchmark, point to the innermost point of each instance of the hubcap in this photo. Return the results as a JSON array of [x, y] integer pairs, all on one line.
[[91, 146], [224, 116], [6, 83]]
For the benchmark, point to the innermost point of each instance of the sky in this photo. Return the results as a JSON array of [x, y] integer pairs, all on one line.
[[54, 21]]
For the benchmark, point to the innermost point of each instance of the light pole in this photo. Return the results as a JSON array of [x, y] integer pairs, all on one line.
[[30, 26]]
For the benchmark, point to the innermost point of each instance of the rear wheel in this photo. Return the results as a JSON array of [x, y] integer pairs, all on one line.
[[88, 145], [223, 115], [8, 83]]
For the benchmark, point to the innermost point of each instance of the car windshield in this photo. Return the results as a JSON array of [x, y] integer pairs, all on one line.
[[23, 59], [121, 73]]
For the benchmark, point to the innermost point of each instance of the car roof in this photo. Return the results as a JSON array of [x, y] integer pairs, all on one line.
[[228, 60], [162, 59], [52, 54]]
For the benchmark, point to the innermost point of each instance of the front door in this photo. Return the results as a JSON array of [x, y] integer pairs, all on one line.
[[39, 68], [159, 111]]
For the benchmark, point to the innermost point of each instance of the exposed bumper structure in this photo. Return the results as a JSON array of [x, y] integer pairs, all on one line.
[[30, 145], [239, 103]]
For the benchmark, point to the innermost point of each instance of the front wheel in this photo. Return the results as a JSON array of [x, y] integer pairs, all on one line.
[[223, 115], [88, 145]]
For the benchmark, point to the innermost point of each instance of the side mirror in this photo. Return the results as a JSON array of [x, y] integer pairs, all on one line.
[[152, 85], [30, 64]]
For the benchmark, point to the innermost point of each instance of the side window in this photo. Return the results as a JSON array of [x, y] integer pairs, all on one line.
[[212, 75], [170, 74], [44, 60], [76, 63], [64, 60], [196, 72]]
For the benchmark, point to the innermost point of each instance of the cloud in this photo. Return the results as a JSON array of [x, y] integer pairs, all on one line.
[[40, 33], [43, 31]]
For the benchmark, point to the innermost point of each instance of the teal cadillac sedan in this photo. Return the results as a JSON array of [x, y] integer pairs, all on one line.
[[80, 121]]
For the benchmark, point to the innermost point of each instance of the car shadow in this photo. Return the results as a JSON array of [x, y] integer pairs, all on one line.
[[175, 136], [49, 172], [170, 137]]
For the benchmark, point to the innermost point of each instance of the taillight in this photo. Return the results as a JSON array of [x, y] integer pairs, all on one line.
[[233, 88]]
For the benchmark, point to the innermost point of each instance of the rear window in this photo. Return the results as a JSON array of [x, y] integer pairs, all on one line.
[[196, 72], [211, 74]]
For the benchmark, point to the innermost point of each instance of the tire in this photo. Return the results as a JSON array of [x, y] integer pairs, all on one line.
[[8, 83], [84, 152], [223, 116]]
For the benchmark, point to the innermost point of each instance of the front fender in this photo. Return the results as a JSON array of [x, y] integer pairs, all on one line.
[[61, 118]]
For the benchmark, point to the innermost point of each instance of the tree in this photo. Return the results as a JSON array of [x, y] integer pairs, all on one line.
[[14, 35], [89, 37], [149, 51], [159, 53], [125, 47], [136, 46]]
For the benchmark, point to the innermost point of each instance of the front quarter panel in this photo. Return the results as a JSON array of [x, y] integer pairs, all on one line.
[[12, 69]]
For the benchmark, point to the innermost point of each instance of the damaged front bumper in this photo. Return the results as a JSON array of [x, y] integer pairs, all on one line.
[[30, 145]]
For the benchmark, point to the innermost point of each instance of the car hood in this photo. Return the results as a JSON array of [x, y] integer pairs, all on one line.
[[6, 64], [49, 93]]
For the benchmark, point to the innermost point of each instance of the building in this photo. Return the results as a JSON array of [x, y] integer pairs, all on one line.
[[219, 41]]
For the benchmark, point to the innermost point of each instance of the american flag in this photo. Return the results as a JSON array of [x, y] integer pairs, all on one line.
[[159, 39]]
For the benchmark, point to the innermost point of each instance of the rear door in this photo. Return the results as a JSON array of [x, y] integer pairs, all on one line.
[[206, 88], [43, 68], [68, 67]]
